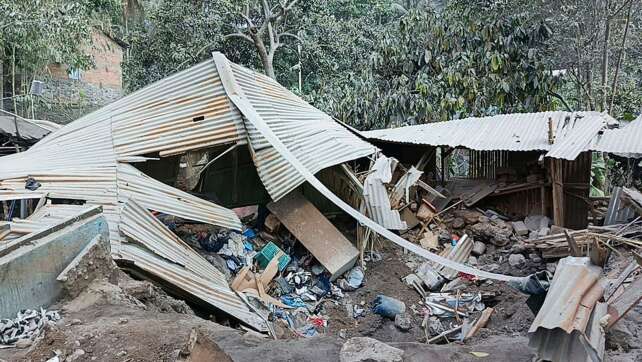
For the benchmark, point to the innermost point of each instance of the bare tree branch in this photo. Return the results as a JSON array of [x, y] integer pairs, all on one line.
[[238, 35], [290, 35]]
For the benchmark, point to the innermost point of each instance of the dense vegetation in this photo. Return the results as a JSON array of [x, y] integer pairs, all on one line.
[[372, 63]]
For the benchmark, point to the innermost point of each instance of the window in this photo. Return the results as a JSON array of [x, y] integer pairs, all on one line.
[[74, 74]]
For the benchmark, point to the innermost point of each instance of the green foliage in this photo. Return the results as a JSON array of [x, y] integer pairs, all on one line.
[[429, 67], [179, 34], [45, 31]]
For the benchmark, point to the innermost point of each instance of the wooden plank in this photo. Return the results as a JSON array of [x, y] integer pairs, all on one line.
[[331, 248], [558, 192], [622, 304], [572, 244], [480, 323], [614, 285], [484, 191]]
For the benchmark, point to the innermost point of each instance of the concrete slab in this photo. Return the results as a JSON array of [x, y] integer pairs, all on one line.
[[29, 269]]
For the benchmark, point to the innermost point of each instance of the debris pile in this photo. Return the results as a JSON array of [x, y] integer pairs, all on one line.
[[22, 330]]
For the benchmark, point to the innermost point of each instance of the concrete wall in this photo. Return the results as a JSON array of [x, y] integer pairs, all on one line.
[[107, 56], [28, 274], [65, 99]]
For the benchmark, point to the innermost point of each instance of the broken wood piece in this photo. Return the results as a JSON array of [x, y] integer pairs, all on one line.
[[426, 211], [480, 323], [409, 218], [613, 286], [429, 240], [627, 300], [446, 308], [430, 189], [598, 254], [444, 334], [271, 223], [322, 239], [479, 195], [572, 244], [244, 280]]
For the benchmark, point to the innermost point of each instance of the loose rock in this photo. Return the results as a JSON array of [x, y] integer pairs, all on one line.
[[458, 223], [516, 260], [403, 322], [360, 349], [478, 248]]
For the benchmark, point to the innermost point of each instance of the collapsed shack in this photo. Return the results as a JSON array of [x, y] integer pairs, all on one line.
[[518, 164], [229, 138]]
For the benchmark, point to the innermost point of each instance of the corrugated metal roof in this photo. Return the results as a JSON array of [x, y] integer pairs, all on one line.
[[574, 132], [283, 152], [561, 331], [27, 129], [86, 160], [376, 196], [313, 136], [626, 141]]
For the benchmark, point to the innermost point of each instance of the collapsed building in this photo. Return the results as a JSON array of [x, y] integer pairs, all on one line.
[[522, 164], [231, 137]]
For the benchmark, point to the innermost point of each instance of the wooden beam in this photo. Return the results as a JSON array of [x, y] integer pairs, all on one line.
[[575, 250], [627, 300]]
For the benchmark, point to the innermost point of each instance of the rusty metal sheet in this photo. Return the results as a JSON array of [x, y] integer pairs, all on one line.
[[328, 245], [559, 331]]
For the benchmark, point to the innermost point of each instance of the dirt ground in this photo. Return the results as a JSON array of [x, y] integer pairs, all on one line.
[[113, 328], [135, 321]]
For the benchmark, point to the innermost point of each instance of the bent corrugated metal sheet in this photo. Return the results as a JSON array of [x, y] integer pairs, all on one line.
[[89, 160], [285, 155], [565, 327]]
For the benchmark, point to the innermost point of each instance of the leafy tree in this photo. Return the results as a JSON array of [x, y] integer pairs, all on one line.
[[35, 33], [266, 27], [430, 67]]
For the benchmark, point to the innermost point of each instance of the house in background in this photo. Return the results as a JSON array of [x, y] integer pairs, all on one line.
[[70, 93]]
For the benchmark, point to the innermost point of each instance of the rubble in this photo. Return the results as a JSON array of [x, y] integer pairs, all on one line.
[[496, 232], [285, 273], [516, 260]]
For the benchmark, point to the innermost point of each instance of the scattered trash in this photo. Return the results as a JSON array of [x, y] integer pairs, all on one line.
[[403, 322], [387, 306], [268, 252], [26, 326], [354, 277]]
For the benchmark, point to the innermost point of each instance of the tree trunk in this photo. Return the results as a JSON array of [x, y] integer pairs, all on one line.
[[620, 57], [266, 59], [268, 67], [13, 80], [605, 56]]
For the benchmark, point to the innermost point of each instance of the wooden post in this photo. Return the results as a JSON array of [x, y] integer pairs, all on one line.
[[558, 192]]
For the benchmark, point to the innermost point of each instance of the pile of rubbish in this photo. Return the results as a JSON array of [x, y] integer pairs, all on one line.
[[26, 326], [282, 281]]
